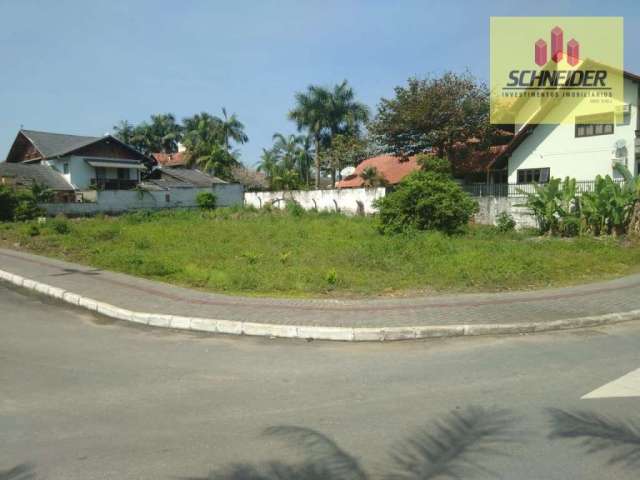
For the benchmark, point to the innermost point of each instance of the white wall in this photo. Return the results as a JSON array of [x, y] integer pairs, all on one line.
[[345, 200], [491, 207], [555, 147], [117, 201]]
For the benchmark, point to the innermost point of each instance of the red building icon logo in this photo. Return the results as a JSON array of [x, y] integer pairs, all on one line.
[[557, 44]]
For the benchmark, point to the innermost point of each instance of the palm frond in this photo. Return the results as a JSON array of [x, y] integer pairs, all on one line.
[[598, 433], [322, 451], [454, 446]]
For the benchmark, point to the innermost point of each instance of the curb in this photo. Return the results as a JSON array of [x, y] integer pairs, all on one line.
[[304, 332]]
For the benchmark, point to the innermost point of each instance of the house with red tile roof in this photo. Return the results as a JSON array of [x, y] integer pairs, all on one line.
[[469, 165]]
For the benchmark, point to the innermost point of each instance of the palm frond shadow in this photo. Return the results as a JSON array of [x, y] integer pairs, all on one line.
[[455, 446], [451, 447], [597, 433], [24, 471]]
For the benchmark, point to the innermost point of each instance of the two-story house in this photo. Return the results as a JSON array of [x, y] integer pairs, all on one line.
[[85, 163], [581, 149]]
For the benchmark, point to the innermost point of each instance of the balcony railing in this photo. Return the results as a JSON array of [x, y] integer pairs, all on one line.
[[113, 184], [518, 189]]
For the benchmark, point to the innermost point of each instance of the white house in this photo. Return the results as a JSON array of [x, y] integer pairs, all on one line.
[[581, 150], [103, 163]]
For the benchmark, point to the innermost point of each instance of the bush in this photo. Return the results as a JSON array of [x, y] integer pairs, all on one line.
[[206, 200], [425, 201], [294, 208], [8, 204], [27, 209], [60, 225], [32, 230], [505, 222]]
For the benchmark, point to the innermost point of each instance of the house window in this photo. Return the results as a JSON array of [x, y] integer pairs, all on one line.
[[65, 168], [593, 125], [123, 174], [533, 175]]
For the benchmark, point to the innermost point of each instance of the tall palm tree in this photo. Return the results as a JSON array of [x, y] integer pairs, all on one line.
[[313, 113], [233, 129], [326, 112]]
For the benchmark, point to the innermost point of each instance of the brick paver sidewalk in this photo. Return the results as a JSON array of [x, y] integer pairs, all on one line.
[[141, 295]]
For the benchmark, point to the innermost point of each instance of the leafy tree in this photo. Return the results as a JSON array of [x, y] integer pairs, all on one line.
[[161, 134], [325, 112], [425, 201], [344, 150], [8, 204], [433, 112], [41, 193], [252, 180], [268, 165]]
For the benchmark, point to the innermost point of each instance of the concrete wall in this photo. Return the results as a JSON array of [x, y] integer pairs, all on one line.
[[556, 147], [118, 201], [347, 200], [491, 207]]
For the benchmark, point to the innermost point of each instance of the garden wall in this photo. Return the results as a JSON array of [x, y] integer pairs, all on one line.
[[490, 207], [119, 201], [347, 200]]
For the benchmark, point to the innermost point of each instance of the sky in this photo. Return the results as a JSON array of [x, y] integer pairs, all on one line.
[[80, 67]]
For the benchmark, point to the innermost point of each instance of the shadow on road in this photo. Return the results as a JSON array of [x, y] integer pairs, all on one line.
[[599, 434], [454, 446], [23, 471]]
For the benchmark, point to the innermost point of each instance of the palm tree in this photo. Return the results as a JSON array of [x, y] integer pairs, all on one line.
[[268, 165], [217, 161], [313, 113], [324, 113], [232, 128], [124, 131], [372, 178], [164, 133]]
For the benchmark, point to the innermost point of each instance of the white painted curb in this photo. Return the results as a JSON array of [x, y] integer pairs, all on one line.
[[347, 334]]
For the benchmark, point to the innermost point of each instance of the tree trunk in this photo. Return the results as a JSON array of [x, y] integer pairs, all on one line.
[[634, 223], [317, 159]]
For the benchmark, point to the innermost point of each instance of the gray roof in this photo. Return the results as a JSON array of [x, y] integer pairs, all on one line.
[[27, 174], [184, 177], [56, 144]]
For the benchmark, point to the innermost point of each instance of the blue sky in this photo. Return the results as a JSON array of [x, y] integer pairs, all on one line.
[[81, 66]]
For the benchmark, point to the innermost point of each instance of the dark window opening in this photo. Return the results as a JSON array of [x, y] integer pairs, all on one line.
[[594, 125], [533, 175]]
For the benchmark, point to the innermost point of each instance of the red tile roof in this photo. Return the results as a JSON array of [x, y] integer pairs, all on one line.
[[392, 168], [171, 159]]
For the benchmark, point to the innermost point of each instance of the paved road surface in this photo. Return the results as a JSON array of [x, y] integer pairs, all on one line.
[[84, 398]]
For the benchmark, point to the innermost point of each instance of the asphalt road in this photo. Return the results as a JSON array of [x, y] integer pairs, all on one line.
[[85, 398]]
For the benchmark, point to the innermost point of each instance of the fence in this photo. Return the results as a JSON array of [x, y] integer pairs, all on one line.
[[519, 189]]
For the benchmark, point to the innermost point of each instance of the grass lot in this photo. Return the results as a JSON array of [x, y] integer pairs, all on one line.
[[316, 254]]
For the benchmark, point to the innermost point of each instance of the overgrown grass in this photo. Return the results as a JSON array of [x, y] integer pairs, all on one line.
[[314, 254]]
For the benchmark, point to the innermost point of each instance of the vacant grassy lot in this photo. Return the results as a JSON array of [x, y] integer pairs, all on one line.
[[251, 252]]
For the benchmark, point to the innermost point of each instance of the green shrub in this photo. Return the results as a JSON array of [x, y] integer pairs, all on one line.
[[505, 222], [60, 226], [294, 208], [27, 209], [206, 200], [8, 204], [425, 201], [331, 277], [32, 230]]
